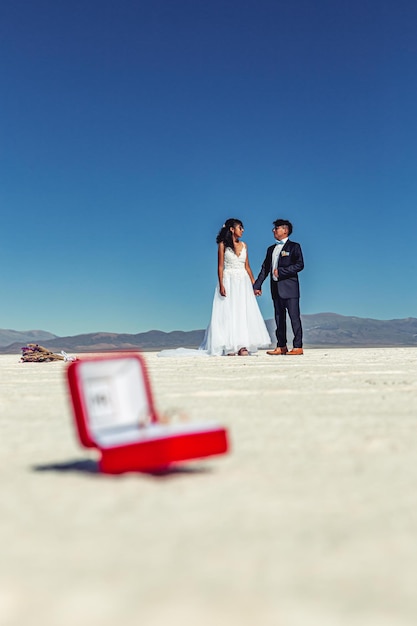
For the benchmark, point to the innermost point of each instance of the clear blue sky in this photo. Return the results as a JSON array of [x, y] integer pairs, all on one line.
[[131, 129]]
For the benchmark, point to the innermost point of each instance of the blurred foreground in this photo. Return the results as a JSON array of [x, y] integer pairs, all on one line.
[[310, 520]]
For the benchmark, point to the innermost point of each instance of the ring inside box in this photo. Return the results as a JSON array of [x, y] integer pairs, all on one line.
[[114, 412]]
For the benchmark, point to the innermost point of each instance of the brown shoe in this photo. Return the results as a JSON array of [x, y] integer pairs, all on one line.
[[277, 351], [296, 351]]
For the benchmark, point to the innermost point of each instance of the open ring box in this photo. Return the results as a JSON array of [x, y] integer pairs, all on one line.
[[114, 412]]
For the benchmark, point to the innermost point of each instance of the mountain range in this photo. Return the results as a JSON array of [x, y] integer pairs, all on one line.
[[320, 330]]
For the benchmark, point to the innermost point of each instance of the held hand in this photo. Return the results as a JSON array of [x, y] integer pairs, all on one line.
[[257, 292]]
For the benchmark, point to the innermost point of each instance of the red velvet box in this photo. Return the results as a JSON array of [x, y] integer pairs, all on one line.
[[114, 412]]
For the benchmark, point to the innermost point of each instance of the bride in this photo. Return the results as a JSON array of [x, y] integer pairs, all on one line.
[[236, 326]]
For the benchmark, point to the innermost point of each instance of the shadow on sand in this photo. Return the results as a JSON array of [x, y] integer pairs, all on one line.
[[88, 466]]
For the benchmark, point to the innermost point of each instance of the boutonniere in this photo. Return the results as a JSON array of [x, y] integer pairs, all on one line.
[[285, 253]]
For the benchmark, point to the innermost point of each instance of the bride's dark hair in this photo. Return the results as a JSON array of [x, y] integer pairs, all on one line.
[[225, 234]]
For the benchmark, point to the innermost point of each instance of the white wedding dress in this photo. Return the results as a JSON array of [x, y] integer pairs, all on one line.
[[236, 321]]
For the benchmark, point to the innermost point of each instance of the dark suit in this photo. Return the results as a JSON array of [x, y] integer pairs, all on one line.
[[286, 291]]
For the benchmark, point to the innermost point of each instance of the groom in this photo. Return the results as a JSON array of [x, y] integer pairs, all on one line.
[[283, 261]]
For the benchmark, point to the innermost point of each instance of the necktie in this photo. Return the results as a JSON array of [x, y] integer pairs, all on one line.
[[278, 248]]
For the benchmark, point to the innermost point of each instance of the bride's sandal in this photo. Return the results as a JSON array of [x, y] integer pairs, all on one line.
[[243, 352]]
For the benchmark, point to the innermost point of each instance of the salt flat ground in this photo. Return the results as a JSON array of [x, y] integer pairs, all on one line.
[[310, 520]]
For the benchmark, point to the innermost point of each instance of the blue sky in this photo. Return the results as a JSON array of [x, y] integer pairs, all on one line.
[[131, 130]]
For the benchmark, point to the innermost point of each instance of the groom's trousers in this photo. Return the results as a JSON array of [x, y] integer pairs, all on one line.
[[281, 306]]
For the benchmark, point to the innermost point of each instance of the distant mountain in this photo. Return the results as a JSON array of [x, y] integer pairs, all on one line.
[[330, 329], [23, 336], [320, 330], [102, 342]]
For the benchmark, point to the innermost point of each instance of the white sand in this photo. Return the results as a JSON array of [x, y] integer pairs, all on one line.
[[311, 520]]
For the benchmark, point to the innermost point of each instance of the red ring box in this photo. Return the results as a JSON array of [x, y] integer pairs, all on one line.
[[114, 412]]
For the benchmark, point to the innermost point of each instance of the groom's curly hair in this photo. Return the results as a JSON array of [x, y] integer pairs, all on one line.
[[225, 235], [284, 223]]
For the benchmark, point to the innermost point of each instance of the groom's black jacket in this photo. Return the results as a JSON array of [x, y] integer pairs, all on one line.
[[290, 262]]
